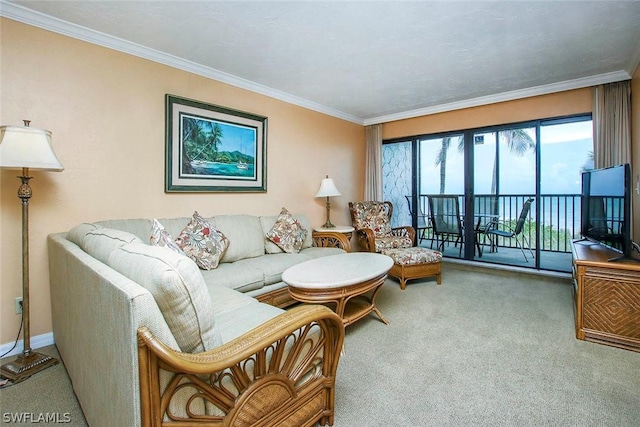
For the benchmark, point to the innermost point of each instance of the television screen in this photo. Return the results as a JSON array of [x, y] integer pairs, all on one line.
[[606, 207], [607, 182]]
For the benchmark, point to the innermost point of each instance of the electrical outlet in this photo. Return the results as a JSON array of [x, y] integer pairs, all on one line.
[[18, 305]]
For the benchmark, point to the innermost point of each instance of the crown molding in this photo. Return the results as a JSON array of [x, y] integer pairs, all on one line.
[[615, 76], [46, 22]]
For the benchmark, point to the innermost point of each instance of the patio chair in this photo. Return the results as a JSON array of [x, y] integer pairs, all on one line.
[[515, 233], [485, 213], [445, 220], [372, 223], [423, 220]]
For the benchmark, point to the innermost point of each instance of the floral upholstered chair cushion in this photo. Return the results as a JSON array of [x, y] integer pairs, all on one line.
[[392, 242], [374, 216], [412, 256]]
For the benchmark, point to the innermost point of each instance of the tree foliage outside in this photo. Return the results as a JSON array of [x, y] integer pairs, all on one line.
[[441, 158], [551, 238]]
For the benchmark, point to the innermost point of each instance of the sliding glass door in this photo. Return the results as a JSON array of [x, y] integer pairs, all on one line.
[[442, 172], [505, 176], [517, 189]]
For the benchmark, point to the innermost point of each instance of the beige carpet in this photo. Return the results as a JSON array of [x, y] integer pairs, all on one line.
[[485, 348]]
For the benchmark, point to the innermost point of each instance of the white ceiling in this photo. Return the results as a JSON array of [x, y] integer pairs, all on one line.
[[367, 61]]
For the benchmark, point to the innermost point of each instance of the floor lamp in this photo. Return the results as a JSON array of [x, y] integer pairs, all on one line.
[[23, 147]]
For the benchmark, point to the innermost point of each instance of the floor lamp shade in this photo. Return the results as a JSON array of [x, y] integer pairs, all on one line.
[[27, 147], [328, 189], [22, 147]]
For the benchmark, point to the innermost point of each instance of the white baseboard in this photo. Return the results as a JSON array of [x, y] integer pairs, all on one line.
[[36, 342]]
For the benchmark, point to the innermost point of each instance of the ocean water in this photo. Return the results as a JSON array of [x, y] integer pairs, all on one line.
[[222, 170]]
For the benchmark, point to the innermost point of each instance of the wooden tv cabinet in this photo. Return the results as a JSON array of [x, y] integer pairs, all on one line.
[[607, 296]]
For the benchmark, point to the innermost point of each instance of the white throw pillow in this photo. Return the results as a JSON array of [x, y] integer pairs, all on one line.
[[160, 237]]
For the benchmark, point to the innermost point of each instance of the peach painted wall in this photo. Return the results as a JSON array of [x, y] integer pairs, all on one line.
[[558, 104], [106, 112]]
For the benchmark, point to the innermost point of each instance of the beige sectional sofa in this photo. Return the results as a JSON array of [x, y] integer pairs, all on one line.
[[128, 318]]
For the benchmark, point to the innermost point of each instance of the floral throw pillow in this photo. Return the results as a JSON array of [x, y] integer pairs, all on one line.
[[160, 237], [287, 233], [201, 242]]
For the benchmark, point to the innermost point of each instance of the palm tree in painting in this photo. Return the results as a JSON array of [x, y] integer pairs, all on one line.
[[214, 138], [201, 139], [190, 132]]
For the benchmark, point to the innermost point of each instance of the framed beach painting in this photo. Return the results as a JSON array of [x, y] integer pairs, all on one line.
[[213, 149]]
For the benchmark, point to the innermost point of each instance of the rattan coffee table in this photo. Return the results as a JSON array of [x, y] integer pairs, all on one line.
[[349, 282]]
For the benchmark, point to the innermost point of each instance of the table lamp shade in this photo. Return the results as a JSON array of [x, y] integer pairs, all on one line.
[[27, 147], [327, 188]]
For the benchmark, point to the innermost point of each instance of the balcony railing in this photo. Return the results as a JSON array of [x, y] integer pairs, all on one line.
[[557, 216]]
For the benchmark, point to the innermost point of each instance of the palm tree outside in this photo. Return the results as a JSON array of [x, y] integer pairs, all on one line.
[[441, 158], [519, 142]]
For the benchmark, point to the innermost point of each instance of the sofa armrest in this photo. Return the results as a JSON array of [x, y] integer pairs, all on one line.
[[331, 239], [282, 372]]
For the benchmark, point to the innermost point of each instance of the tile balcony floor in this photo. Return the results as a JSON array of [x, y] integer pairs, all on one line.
[[549, 260]]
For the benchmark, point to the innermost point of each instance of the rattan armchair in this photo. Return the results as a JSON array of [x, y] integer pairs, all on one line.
[[372, 222], [281, 373]]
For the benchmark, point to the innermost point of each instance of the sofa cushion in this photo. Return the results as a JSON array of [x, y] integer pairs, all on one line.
[[241, 275], [178, 288], [267, 223], [99, 242], [141, 227], [202, 242], [244, 318], [244, 233], [273, 265], [77, 233], [225, 300]]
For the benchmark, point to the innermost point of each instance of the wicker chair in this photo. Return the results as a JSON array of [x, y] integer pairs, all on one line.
[[372, 221], [282, 373]]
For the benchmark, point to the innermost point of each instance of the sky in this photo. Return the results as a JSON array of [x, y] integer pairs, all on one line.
[[237, 138], [564, 152]]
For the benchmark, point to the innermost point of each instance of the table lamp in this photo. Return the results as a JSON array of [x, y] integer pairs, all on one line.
[[328, 189], [23, 147]]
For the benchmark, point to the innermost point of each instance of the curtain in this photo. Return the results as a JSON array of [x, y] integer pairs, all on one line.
[[612, 124], [373, 163]]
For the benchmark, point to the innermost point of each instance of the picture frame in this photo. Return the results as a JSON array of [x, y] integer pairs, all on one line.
[[210, 148]]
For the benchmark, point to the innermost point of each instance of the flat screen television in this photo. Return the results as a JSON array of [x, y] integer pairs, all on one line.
[[606, 208]]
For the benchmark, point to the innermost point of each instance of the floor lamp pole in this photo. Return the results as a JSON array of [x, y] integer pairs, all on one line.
[[29, 362]]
